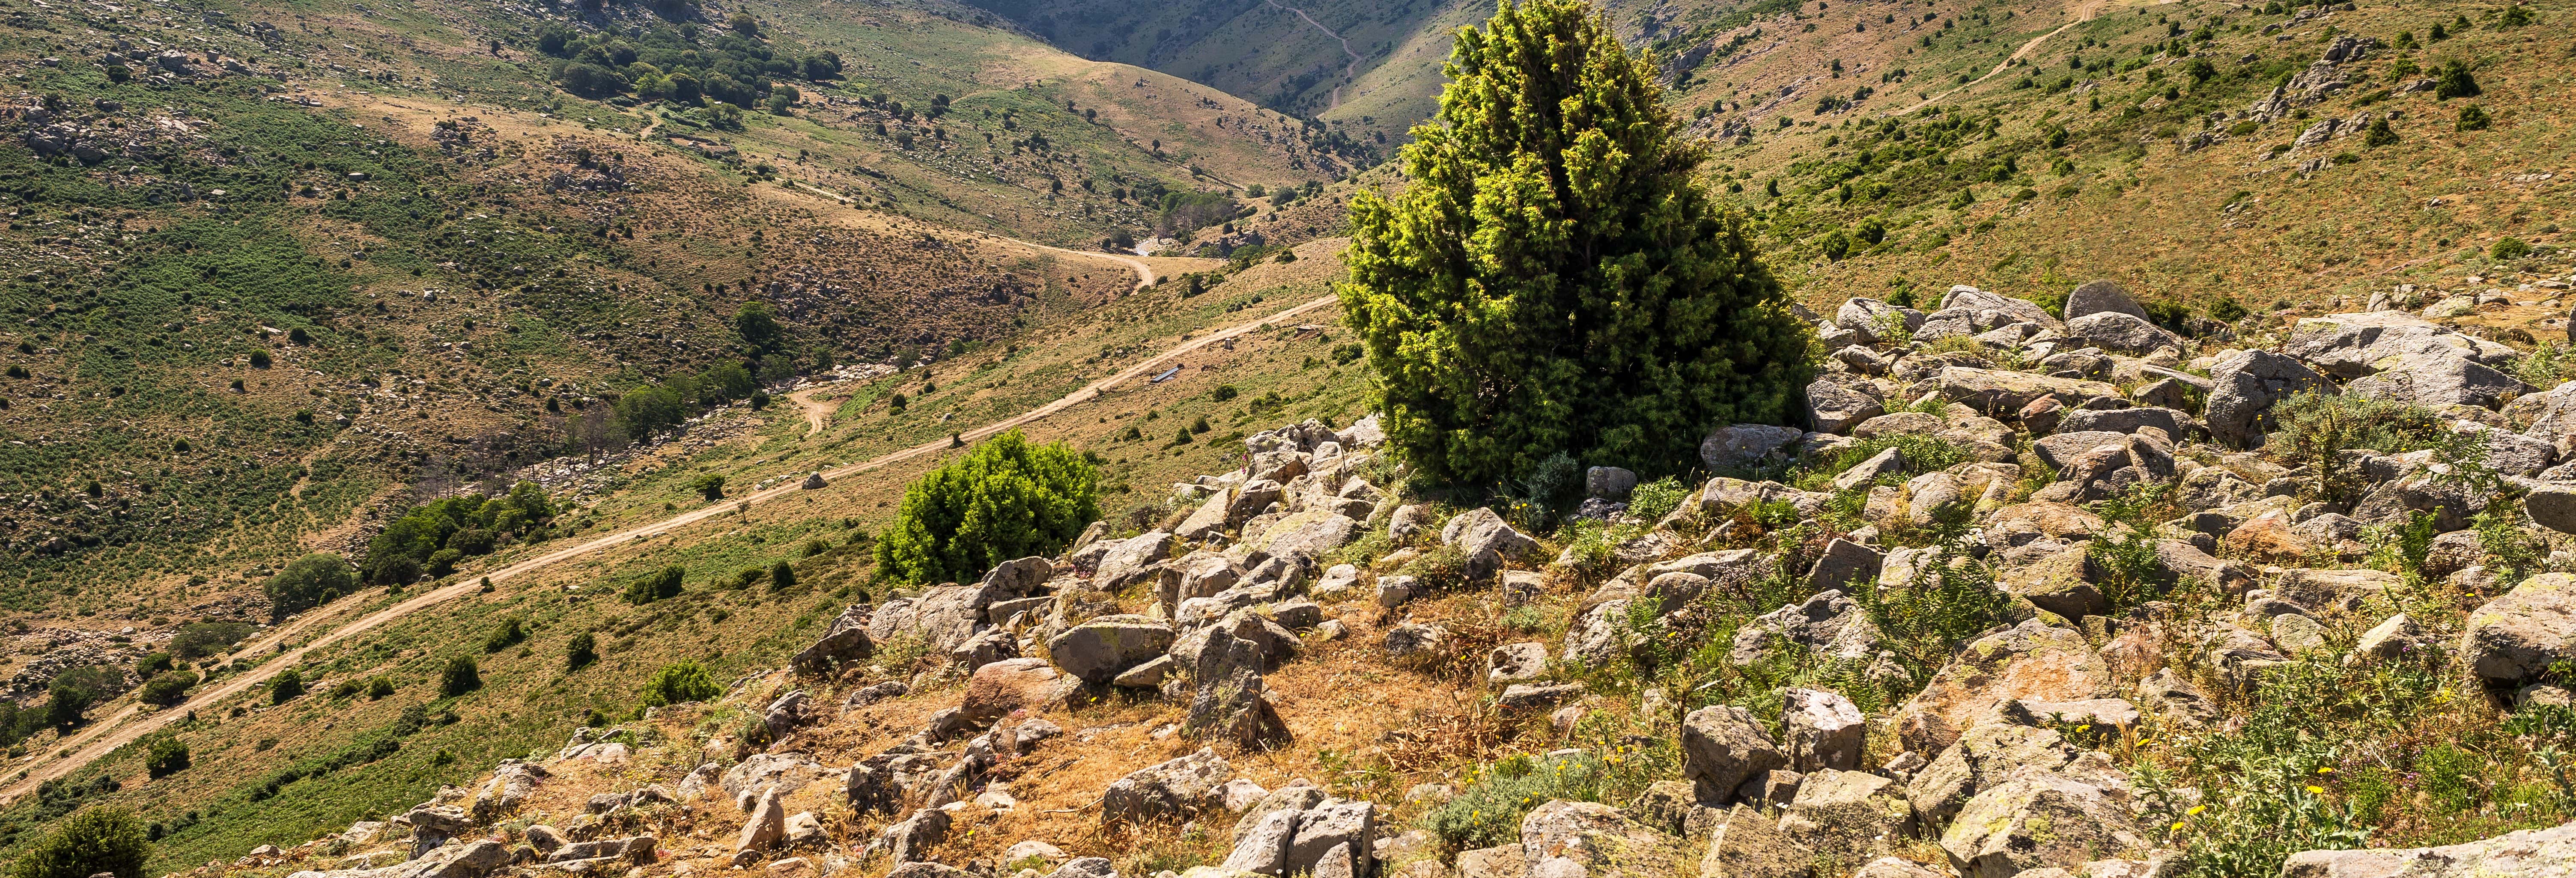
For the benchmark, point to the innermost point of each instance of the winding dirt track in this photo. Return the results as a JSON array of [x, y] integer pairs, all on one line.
[[130, 724], [2083, 12]]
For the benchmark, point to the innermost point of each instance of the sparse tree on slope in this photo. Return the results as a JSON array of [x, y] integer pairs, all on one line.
[[1555, 279]]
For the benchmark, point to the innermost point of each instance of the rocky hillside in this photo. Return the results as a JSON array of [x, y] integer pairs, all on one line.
[[2036, 595]]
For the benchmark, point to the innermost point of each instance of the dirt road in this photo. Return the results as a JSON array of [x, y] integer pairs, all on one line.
[[129, 725], [817, 412], [1144, 272], [2083, 12]]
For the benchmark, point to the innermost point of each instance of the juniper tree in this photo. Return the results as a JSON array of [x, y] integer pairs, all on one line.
[[1555, 278]]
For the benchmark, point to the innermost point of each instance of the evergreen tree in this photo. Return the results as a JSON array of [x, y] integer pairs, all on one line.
[[1006, 499], [99, 840], [1555, 279]]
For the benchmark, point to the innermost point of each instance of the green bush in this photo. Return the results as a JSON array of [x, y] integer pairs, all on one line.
[[200, 639], [1005, 499], [308, 582], [782, 576], [459, 677], [152, 664], [581, 651], [286, 687], [2472, 118], [468, 525], [505, 635], [680, 683], [167, 756], [709, 486], [168, 687], [2455, 81], [1654, 500], [1502, 328], [1488, 811], [102, 839], [2315, 429], [662, 584], [2509, 248], [73, 691]]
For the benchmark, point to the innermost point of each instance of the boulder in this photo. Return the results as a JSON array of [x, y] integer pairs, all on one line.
[[1847, 814], [1995, 391], [2122, 333], [2008, 309], [2437, 381], [2246, 384], [1609, 482], [2514, 638], [846, 640], [1843, 562], [1181, 787], [1822, 730], [1338, 824], [1131, 560], [2102, 296], [1740, 446], [1722, 747], [997, 689], [1099, 650], [1594, 839], [2549, 851], [768, 824], [1749, 844], [1482, 530], [2353, 345], [2038, 819], [1515, 662], [1828, 624], [2174, 423], [1416, 640], [2029, 660], [1878, 322], [1835, 408], [2552, 505], [2005, 741]]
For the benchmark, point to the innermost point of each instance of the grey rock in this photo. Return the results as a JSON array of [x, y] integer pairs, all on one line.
[[2123, 333], [2514, 638], [1835, 408], [2037, 819], [1843, 561], [2549, 851], [1099, 650], [1821, 730], [2099, 296], [1515, 662], [1480, 530], [1181, 787], [1722, 747], [1609, 482], [2353, 345], [1877, 322], [1740, 446], [2436, 381], [2009, 309], [2176, 424], [2246, 385]]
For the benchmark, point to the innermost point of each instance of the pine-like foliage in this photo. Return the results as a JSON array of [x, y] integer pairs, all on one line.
[[1554, 278], [1005, 499]]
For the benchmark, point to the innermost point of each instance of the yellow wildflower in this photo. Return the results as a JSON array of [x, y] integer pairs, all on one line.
[[2314, 790]]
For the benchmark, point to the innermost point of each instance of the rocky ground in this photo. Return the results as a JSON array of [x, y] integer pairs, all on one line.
[[2000, 612]]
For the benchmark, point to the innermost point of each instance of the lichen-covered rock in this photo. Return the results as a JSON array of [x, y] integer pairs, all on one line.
[[2038, 819], [1181, 787], [2516, 637], [2246, 384], [2029, 660], [2533, 852], [1597, 840], [1722, 747], [1097, 651]]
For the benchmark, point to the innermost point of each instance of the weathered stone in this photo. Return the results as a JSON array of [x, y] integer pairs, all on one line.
[[1480, 530], [2029, 660], [2353, 345], [1515, 662], [2005, 308], [1181, 787], [1347, 825], [1843, 562], [1829, 624], [2514, 638], [1097, 651], [1847, 815], [846, 640], [1739, 446], [1609, 482], [2176, 424], [1833, 407], [1127, 561], [1001, 687], [2533, 852], [2099, 296], [2245, 386], [2123, 333], [1821, 730], [2037, 819], [1995, 392], [1722, 747], [2437, 381], [768, 824], [1750, 845], [1596, 840], [2395, 638], [1264, 850], [1877, 322]]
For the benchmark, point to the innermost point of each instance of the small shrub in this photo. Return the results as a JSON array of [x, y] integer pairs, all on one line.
[[459, 677], [782, 576], [505, 635], [2455, 81], [2509, 248], [2379, 134], [286, 687], [379, 687], [309, 581], [102, 839], [662, 584], [1654, 500], [1008, 498], [680, 683], [168, 687], [2472, 118], [581, 651], [168, 756]]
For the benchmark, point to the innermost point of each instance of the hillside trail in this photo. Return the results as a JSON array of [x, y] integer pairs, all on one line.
[[129, 725], [817, 412], [1350, 69], [2082, 12], [1144, 273]]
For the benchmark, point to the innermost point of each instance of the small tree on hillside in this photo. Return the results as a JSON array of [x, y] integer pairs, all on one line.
[[1005, 499], [459, 677], [1555, 279], [102, 839], [679, 683], [309, 581], [288, 685]]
